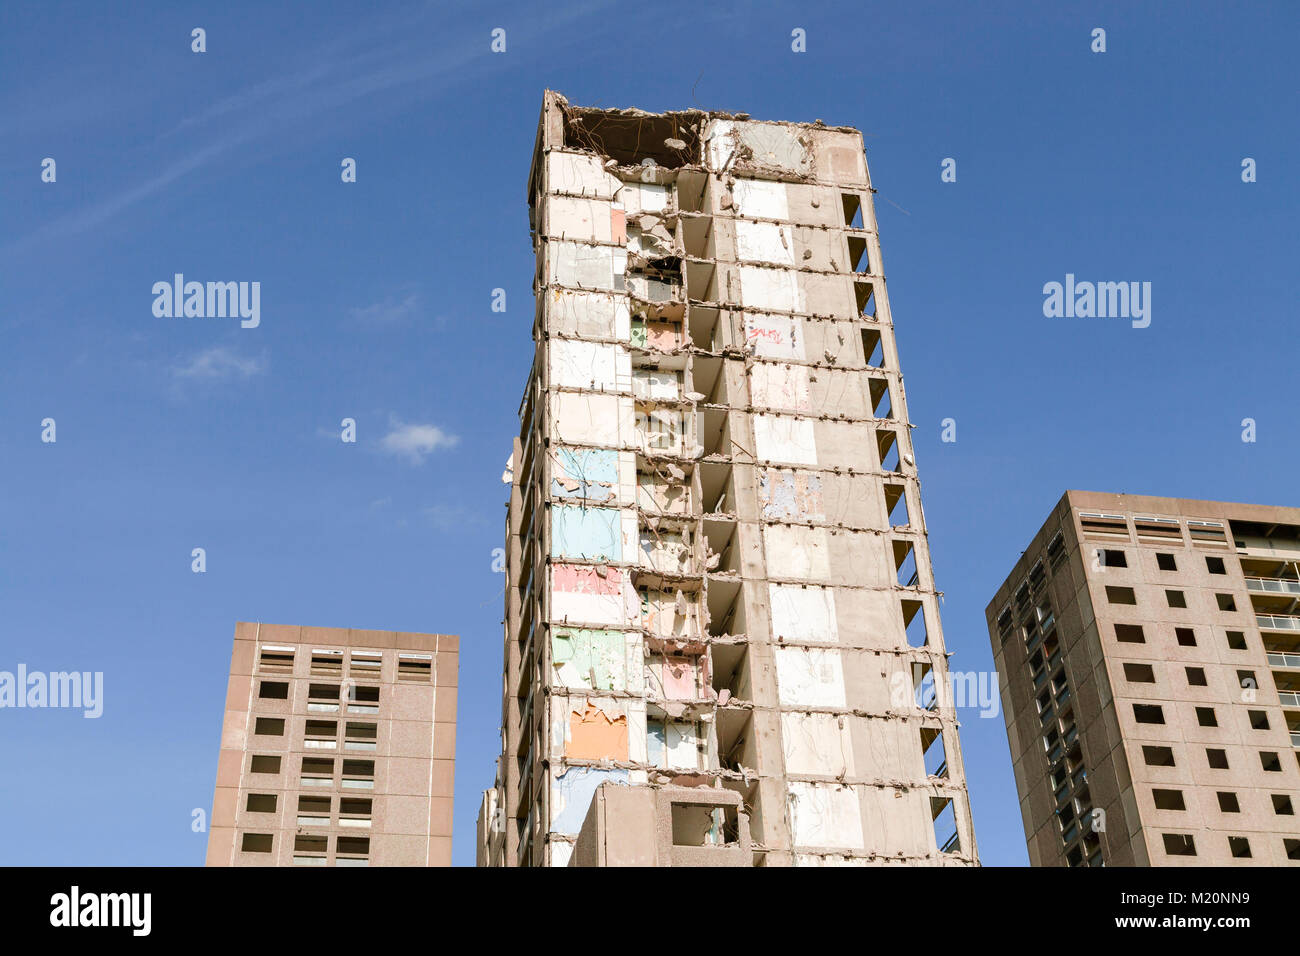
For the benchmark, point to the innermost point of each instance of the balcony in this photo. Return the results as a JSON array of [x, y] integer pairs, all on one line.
[[1273, 586], [1278, 622], [1288, 698], [1276, 659]]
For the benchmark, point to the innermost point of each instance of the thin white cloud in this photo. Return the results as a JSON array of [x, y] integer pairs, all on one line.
[[415, 442], [219, 364], [389, 310], [394, 57]]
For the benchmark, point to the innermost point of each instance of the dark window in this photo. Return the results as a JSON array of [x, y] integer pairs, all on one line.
[[256, 843], [1179, 844], [1236, 640], [1228, 802], [269, 726], [1270, 762], [1158, 756], [1111, 558], [261, 802], [1258, 720], [1139, 673], [1118, 595], [1226, 603], [1218, 759], [272, 690], [1239, 846], [1169, 799], [1148, 714], [1216, 565], [1205, 717], [1196, 676], [1282, 805], [1166, 562], [1129, 634], [1176, 598], [264, 764], [1186, 636]]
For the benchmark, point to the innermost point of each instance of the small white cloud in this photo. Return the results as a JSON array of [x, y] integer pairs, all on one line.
[[414, 442], [389, 310], [219, 364]]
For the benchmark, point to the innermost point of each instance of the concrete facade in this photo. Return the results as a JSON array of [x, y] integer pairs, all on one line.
[[1149, 655], [717, 565], [663, 826], [337, 749]]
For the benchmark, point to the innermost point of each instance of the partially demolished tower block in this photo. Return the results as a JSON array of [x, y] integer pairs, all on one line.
[[717, 567]]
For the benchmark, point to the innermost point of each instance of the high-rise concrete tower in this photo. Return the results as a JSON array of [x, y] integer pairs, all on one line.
[[1149, 650], [717, 568], [338, 748]]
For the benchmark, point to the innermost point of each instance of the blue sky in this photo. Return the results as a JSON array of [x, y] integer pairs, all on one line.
[[174, 434]]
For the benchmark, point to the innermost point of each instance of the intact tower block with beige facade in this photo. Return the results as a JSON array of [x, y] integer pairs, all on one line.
[[338, 749], [1149, 654], [717, 569]]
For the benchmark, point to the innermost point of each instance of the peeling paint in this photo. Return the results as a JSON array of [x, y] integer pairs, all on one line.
[[790, 494], [596, 659], [595, 734], [593, 595], [571, 795], [590, 473]]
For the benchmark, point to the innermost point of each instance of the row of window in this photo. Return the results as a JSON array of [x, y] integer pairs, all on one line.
[[1216, 758], [1165, 561], [1105, 557], [1186, 636], [1153, 530], [319, 771], [1165, 799], [316, 810], [1139, 673], [324, 698], [1184, 844], [310, 850], [1205, 716], [411, 666], [1126, 595]]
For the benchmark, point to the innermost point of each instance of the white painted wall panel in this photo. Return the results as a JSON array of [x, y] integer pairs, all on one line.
[[817, 744], [764, 242], [760, 199], [580, 174], [825, 815], [780, 386], [589, 365], [809, 677], [802, 614], [767, 288], [785, 439], [591, 419], [584, 220]]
